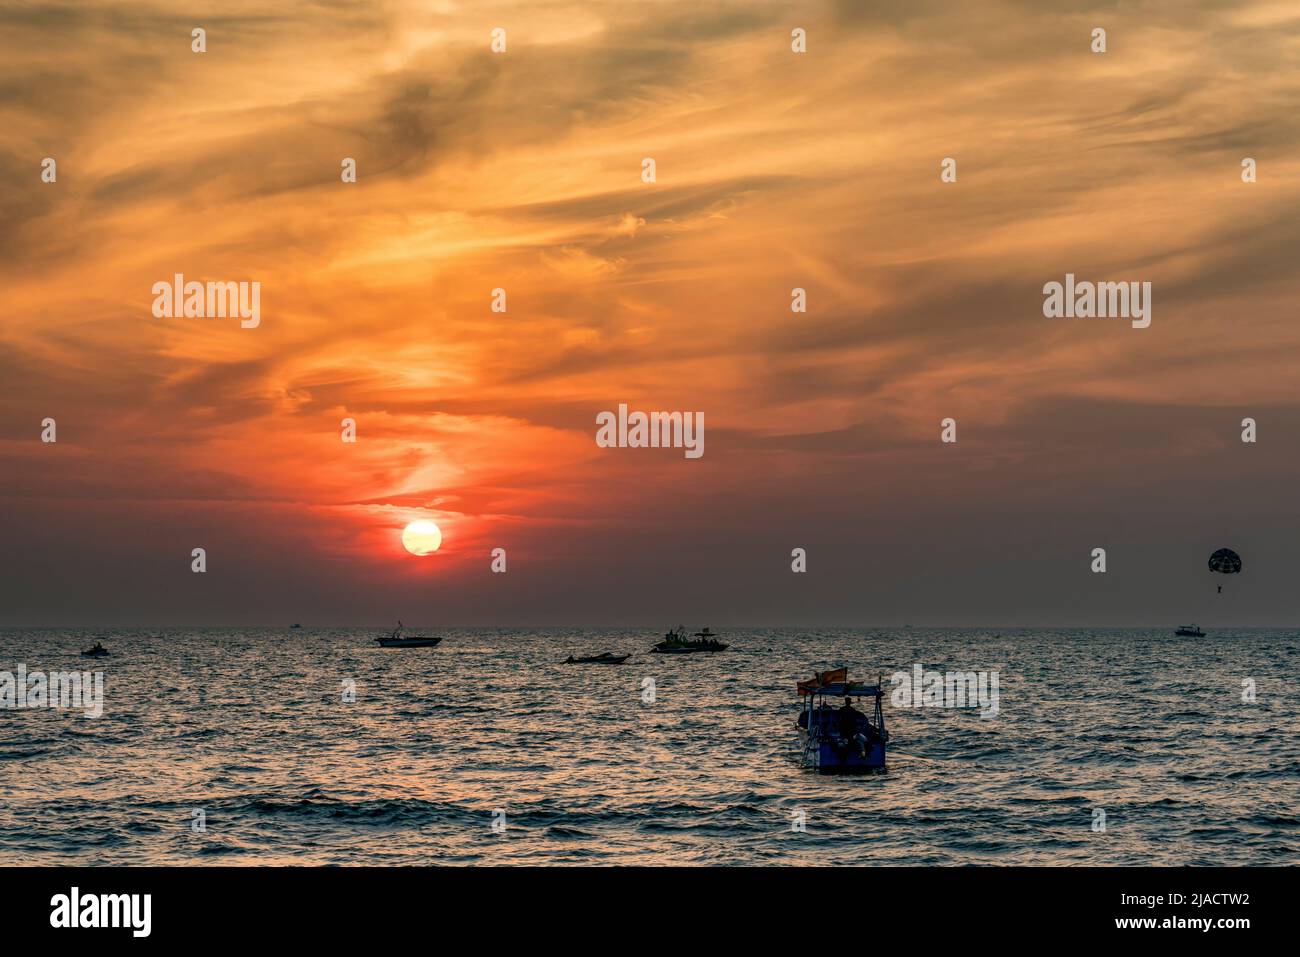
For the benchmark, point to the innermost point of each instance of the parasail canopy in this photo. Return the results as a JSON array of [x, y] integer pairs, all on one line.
[[1225, 561]]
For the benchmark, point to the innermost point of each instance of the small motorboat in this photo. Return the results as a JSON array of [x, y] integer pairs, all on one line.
[[1189, 631], [295, 625], [676, 643], [604, 658], [399, 640], [840, 740], [415, 641], [99, 651]]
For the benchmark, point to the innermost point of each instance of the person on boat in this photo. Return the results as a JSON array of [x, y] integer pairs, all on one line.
[[848, 718]]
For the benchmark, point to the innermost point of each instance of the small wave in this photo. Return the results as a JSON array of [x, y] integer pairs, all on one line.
[[213, 849], [21, 755], [564, 831]]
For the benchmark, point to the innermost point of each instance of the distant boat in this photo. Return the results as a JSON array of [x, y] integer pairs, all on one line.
[[604, 658], [399, 640], [676, 643], [1189, 631], [412, 642], [295, 625], [840, 740], [99, 651]]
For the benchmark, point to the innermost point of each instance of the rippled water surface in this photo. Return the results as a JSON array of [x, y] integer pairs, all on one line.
[[249, 726]]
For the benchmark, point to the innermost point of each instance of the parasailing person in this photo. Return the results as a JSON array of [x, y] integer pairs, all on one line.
[[1225, 562]]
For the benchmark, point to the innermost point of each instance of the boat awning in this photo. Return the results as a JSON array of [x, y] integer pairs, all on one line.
[[835, 684], [823, 678]]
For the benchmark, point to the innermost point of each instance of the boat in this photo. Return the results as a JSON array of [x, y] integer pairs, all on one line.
[[399, 640], [604, 658], [99, 651], [840, 740], [295, 625], [1189, 631], [675, 642], [415, 641]]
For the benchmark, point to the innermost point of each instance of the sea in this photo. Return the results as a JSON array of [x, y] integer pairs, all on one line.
[[313, 746]]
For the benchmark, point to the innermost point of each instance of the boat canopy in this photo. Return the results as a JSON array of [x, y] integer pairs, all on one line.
[[836, 684], [842, 689]]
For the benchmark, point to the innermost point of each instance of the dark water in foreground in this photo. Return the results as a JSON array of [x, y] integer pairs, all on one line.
[[249, 727]]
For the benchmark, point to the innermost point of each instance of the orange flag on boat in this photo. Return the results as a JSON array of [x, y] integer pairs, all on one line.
[[823, 678]]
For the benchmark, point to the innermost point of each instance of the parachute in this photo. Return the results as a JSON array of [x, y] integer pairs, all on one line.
[[1225, 562]]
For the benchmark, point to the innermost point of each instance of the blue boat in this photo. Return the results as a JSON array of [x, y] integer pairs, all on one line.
[[843, 739]]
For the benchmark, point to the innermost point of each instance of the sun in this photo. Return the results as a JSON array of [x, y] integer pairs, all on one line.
[[422, 537]]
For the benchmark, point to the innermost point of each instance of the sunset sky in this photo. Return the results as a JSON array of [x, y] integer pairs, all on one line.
[[522, 171]]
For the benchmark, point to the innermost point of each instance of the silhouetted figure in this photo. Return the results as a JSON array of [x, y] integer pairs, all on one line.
[[848, 718]]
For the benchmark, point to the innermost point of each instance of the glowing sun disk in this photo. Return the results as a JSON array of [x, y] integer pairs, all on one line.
[[422, 537]]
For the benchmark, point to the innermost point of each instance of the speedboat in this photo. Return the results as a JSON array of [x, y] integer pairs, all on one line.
[[99, 651], [399, 640], [604, 658], [676, 643], [415, 641], [1189, 631], [840, 740]]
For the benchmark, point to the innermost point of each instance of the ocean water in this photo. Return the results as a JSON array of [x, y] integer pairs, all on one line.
[[249, 727]]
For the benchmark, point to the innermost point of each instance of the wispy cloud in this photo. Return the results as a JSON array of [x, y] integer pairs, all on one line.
[[522, 171]]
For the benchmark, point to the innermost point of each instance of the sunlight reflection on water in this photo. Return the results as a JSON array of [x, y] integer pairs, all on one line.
[[250, 727]]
